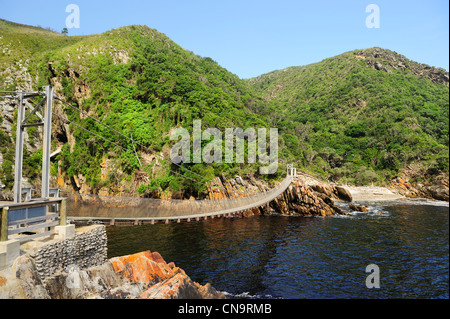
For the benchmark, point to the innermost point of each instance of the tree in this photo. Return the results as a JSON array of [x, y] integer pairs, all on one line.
[[65, 31]]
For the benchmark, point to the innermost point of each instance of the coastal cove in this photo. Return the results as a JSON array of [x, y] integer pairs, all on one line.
[[134, 168], [294, 257]]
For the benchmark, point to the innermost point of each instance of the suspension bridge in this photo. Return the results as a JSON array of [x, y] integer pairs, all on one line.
[[24, 215]]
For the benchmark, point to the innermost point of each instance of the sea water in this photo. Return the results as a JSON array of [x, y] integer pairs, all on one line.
[[294, 257]]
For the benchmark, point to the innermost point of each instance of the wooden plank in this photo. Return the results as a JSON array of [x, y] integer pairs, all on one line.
[[4, 224], [34, 219], [63, 212], [31, 237], [34, 203], [32, 227]]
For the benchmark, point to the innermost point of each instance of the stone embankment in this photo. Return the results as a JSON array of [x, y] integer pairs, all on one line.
[[78, 268]]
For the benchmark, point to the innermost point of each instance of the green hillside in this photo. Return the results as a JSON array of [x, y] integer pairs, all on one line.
[[139, 82], [360, 117]]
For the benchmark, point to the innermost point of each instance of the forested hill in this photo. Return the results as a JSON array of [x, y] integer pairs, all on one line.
[[360, 117], [138, 82]]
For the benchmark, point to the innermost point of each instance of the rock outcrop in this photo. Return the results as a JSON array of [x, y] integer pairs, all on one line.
[[357, 208], [390, 61], [333, 191], [437, 189], [301, 198], [142, 275], [304, 200]]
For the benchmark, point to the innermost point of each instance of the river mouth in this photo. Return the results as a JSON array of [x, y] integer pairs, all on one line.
[[293, 257]]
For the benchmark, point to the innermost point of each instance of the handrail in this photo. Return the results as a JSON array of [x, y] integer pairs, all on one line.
[[31, 223], [33, 203], [205, 208]]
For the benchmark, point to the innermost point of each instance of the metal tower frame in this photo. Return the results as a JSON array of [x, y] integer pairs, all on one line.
[[46, 122]]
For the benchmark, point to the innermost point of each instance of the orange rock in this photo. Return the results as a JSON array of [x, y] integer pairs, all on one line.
[[144, 267], [2, 281], [171, 289]]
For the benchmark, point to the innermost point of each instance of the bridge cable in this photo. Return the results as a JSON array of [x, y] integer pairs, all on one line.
[[120, 146], [137, 143]]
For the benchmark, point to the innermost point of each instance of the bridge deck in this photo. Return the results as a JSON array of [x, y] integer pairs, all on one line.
[[169, 210]]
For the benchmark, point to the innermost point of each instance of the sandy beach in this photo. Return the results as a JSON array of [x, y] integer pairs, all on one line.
[[372, 193], [359, 193]]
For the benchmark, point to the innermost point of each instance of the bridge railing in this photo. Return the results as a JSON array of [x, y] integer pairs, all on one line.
[[172, 209], [32, 219]]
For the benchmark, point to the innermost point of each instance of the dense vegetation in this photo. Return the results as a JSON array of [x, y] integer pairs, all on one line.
[[140, 83], [340, 118], [362, 116]]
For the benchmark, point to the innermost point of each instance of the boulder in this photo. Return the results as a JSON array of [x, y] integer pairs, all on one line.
[[343, 193], [324, 189], [359, 208], [304, 200]]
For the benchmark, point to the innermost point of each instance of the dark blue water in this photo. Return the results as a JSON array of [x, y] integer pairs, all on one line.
[[301, 257]]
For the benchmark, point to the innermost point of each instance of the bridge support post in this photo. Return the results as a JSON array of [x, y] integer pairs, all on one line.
[[290, 170], [64, 231], [19, 151], [9, 251], [21, 124], [45, 189], [4, 224]]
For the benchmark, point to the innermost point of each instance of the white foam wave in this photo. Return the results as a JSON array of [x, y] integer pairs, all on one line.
[[422, 201], [246, 295]]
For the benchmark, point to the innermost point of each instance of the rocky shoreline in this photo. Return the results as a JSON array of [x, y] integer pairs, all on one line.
[[301, 198], [437, 191], [143, 275], [306, 196], [146, 275]]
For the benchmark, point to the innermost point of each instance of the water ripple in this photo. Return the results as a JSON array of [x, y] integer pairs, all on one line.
[[296, 257]]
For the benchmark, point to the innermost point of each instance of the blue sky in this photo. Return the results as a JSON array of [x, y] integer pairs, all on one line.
[[250, 38]]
